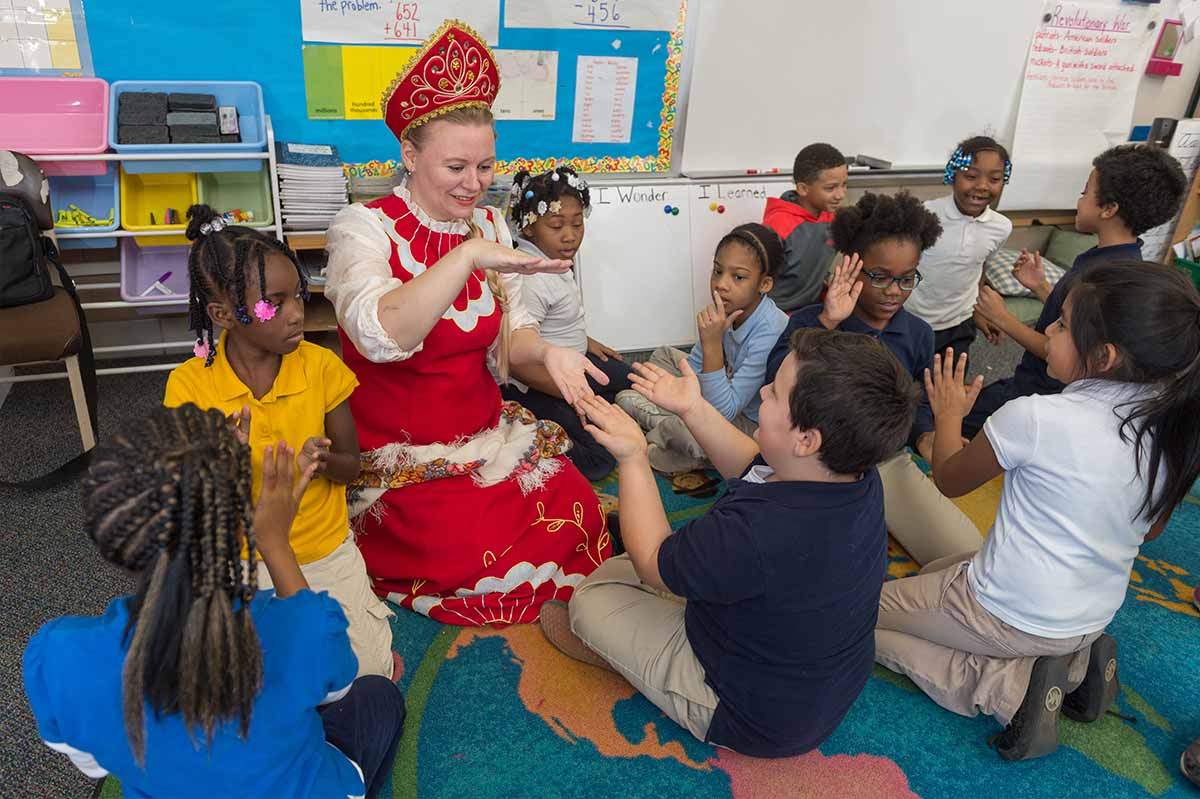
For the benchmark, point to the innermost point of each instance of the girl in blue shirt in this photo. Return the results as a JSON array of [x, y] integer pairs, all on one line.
[[197, 685], [736, 334]]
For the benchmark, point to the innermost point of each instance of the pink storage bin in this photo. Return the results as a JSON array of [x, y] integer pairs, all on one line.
[[56, 116]]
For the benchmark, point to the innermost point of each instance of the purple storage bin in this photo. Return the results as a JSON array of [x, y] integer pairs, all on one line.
[[141, 266]]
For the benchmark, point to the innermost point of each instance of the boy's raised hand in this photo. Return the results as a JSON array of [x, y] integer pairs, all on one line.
[[675, 394], [616, 431], [991, 307], [842, 294], [944, 385], [282, 487], [1028, 270]]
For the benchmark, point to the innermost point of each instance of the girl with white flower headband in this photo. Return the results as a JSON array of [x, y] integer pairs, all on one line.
[[276, 387], [549, 212]]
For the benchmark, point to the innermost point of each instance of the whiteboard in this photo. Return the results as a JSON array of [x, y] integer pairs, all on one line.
[[736, 204], [637, 288], [903, 81]]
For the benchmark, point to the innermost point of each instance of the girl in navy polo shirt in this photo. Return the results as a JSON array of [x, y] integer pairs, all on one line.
[[197, 685]]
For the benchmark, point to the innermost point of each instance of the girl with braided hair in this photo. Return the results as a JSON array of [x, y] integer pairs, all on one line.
[[197, 684], [549, 210], [262, 373]]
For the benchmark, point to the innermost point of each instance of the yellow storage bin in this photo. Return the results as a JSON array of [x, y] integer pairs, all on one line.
[[148, 193]]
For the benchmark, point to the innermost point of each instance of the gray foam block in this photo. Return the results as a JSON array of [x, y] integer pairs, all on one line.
[[142, 101], [191, 118], [195, 134], [142, 134], [182, 101], [139, 116]]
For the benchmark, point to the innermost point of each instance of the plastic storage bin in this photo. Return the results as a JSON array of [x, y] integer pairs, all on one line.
[[247, 191], [93, 194], [245, 95], [142, 266], [56, 116], [1191, 268], [143, 195]]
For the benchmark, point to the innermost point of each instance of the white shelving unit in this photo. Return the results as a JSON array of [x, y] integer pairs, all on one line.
[[267, 155]]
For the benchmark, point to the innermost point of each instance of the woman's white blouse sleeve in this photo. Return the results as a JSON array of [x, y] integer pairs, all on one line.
[[357, 276]]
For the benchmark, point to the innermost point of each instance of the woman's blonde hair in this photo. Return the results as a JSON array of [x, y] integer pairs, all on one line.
[[462, 115]]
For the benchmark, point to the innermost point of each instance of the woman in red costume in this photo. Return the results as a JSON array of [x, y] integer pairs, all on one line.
[[470, 513]]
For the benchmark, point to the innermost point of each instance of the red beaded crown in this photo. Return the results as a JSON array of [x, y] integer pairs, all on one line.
[[454, 69]]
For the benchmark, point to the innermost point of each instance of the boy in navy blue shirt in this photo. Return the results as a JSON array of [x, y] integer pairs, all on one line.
[[781, 577], [1131, 189], [889, 234]]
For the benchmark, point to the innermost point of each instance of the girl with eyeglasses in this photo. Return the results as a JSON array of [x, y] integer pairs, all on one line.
[[882, 238]]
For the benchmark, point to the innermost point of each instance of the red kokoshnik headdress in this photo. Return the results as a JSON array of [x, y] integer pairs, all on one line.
[[454, 69]]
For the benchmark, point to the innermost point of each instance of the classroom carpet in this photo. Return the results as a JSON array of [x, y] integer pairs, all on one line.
[[500, 713]]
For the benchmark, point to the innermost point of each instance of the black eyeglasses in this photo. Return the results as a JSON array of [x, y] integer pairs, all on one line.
[[885, 281]]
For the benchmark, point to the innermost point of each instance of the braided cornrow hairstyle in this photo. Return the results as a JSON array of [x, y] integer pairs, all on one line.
[[217, 265], [168, 497], [530, 191]]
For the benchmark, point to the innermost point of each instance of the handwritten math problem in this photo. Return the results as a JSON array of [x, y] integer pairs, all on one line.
[[394, 21]]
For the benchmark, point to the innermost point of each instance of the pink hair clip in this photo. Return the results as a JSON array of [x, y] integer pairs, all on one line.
[[264, 311], [200, 350]]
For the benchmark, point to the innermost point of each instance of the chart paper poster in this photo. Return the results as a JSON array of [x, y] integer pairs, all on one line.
[[528, 84], [1081, 81], [605, 88], [1185, 146]]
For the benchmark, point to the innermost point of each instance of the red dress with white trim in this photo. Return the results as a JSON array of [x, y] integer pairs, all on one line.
[[468, 511]]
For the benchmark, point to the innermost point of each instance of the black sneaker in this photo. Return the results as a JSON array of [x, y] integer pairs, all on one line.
[[1189, 762], [1034, 729], [1096, 693]]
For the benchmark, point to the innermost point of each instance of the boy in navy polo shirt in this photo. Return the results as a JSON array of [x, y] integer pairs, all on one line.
[[884, 238], [1131, 189], [781, 577]]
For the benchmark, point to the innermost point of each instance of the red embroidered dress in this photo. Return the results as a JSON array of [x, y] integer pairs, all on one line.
[[475, 517]]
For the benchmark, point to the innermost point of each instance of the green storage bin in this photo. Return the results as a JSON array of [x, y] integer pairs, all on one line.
[[247, 191], [1191, 268]]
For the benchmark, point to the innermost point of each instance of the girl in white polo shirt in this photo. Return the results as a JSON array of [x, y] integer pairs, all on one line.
[[978, 170], [1016, 630]]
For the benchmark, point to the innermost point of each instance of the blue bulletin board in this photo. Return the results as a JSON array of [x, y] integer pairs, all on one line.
[[262, 42]]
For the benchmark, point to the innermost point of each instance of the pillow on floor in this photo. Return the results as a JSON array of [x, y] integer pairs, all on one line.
[[998, 271]]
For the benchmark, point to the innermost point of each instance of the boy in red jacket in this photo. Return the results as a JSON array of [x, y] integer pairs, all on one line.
[[801, 217]]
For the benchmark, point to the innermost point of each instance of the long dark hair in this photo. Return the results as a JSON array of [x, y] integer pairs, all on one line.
[[1151, 314], [168, 496]]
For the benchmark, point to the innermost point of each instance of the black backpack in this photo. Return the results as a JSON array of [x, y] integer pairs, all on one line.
[[23, 275], [25, 256]]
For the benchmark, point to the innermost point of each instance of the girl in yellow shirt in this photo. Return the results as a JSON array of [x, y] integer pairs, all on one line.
[[277, 387]]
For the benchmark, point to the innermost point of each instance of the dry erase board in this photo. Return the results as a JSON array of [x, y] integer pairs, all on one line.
[[264, 42], [904, 81]]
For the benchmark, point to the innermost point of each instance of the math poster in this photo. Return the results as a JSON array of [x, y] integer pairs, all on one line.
[[1081, 80], [393, 21]]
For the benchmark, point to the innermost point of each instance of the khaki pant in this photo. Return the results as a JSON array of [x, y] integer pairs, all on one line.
[[932, 629], [343, 573], [927, 524], [641, 634], [673, 448]]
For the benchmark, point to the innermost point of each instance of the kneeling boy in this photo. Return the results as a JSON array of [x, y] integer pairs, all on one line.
[[781, 577]]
